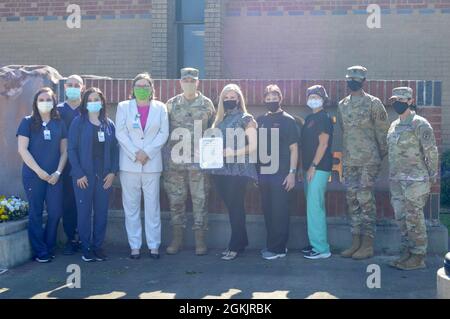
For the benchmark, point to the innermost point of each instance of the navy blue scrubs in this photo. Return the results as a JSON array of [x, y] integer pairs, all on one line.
[[46, 153], [69, 205], [94, 159]]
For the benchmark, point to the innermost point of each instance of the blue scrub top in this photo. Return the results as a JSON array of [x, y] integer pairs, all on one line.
[[46, 153], [67, 113]]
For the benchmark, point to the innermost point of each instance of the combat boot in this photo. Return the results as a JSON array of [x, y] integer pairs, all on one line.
[[413, 262], [356, 243], [177, 240], [366, 249], [200, 243], [403, 257]]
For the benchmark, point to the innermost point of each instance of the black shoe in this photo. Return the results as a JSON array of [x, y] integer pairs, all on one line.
[[70, 248], [154, 256], [315, 255], [307, 249], [135, 256], [88, 257], [100, 255], [44, 259]]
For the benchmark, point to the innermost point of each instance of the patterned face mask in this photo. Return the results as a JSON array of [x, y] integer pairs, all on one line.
[[189, 88]]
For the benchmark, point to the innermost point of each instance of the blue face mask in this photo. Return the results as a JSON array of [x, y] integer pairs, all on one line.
[[94, 107], [73, 93]]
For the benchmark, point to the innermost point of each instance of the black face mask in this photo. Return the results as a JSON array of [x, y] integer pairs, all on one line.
[[272, 106], [230, 105], [354, 85], [400, 107]]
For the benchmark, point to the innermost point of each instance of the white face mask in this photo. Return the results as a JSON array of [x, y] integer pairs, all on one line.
[[315, 103], [45, 106], [189, 88]]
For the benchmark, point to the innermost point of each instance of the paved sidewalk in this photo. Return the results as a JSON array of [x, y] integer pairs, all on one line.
[[188, 276]]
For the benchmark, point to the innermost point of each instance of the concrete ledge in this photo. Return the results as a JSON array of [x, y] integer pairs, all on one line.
[[13, 227], [443, 284], [15, 247], [387, 241]]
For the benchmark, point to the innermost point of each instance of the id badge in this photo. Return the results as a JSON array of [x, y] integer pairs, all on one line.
[[47, 135], [101, 136], [136, 121]]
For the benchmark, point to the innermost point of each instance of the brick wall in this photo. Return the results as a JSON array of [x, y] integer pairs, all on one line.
[[320, 39], [114, 38], [243, 39], [294, 102], [45, 8]]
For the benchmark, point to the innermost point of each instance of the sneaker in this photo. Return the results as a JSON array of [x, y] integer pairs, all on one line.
[[88, 257], [307, 249], [270, 255], [230, 255], [315, 255], [100, 255], [44, 259], [225, 252]]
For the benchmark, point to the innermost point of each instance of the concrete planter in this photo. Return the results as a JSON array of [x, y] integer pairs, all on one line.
[[15, 247]]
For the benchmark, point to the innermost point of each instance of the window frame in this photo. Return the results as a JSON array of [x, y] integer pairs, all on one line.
[[180, 25]]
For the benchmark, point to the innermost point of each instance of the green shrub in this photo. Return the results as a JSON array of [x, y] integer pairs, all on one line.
[[445, 179]]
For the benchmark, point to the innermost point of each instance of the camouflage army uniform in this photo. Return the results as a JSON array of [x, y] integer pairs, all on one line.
[[179, 178], [413, 163], [364, 123]]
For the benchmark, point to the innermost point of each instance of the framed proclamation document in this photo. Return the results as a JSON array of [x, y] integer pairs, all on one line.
[[211, 152]]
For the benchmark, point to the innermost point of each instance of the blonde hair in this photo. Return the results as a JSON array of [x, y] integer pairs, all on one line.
[[220, 108]]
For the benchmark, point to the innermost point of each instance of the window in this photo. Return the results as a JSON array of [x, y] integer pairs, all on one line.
[[190, 18]]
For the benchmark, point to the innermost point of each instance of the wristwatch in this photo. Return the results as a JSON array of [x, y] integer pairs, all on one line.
[[314, 165], [58, 173], [292, 171]]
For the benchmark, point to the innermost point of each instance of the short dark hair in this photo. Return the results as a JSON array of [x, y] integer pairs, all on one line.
[[273, 88]]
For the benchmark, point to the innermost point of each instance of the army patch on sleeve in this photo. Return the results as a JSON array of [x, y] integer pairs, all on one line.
[[382, 116], [426, 135]]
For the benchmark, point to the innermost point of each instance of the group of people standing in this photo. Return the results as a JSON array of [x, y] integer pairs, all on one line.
[[77, 142]]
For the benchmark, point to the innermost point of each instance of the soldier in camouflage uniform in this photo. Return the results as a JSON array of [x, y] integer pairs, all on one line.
[[364, 123], [413, 165], [178, 178]]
